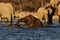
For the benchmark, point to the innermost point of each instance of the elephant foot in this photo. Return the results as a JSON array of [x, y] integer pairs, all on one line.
[[16, 25], [0, 22], [59, 22], [7, 22]]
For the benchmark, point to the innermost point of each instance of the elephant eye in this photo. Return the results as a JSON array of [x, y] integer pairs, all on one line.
[[14, 16]]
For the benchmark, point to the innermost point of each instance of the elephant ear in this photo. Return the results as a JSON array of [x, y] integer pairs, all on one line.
[[0, 15]]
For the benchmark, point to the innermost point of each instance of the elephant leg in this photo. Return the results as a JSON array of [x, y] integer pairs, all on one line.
[[17, 24], [46, 19], [19, 20], [37, 23], [0, 20], [59, 19], [50, 20], [8, 21]]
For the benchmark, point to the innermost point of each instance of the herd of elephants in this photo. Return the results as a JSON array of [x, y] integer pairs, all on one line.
[[46, 13]]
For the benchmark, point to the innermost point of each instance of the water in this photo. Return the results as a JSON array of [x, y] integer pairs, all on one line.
[[55, 23], [52, 33], [7, 33]]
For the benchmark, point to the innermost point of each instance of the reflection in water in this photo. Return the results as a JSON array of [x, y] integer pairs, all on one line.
[[3, 21], [55, 23]]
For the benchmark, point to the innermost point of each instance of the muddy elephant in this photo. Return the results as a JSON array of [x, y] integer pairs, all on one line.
[[30, 21]]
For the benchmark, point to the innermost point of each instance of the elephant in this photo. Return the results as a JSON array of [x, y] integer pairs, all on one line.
[[58, 13], [30, 21], [6, 11], [43, 13]]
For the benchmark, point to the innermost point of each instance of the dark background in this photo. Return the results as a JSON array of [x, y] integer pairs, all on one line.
[[26, 5]]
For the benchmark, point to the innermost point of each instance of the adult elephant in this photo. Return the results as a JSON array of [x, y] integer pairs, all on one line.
[[31, 19], [58, 8], [51, 12], [6, 11], [43, 13], [47, 12]]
